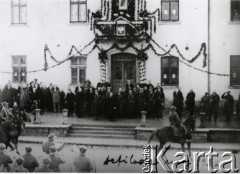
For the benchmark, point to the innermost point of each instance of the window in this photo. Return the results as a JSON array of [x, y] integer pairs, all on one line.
[[78, 10], [235, 10], [170, 10], [78, 69], [19, 69], [170, 70], [235, 70], [19, 11]]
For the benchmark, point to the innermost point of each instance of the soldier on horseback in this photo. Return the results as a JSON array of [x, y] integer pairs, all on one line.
[[176, 124]]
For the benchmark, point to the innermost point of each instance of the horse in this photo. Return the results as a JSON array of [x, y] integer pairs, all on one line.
[[166, 134]]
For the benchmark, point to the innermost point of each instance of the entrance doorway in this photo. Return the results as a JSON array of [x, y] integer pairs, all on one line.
[[123, 69]]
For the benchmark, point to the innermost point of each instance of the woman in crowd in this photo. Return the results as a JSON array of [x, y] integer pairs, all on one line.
[[56, 99]]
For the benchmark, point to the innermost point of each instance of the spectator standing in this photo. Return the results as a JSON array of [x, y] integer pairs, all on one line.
[[8, 94], [82, 163], [190, 102], [20, 168], [178, 102], [56, 99], [79, 101], [30, 161], [228, 105], [55, 160], [96, 105], [205, 103], [62, 100], [238, 106], [45, 168], [1, 95], [159, 101], [5, 160], [70, 101], [24, 97], [214, 103]]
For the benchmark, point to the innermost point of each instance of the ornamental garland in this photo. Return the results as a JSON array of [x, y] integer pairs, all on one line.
[[103, 57], [141, 55]]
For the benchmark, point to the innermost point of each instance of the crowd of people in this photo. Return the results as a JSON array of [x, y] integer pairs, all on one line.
[[100, 101], [50, 159]]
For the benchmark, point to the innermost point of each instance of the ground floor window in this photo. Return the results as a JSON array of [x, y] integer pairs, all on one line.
[[235, 70], [169, 71], [78, 69], [19, 66]]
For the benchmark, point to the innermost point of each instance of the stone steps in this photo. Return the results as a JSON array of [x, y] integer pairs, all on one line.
[[102, 131]]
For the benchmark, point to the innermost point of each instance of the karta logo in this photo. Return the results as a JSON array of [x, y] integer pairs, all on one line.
[[184, 163]]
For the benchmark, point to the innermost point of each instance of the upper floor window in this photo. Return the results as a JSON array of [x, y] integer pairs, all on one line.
[[170, 69], [235, 10], [235, 70], [170, 10], [78, 10], [78, 69], [19, 11], [19, 66]]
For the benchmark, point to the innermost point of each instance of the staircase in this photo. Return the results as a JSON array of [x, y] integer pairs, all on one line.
[[102, 131]]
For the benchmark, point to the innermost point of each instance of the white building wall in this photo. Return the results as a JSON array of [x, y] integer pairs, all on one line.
[[48, 23], [225, 41]]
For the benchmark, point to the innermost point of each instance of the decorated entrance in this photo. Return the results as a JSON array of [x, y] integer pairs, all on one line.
[[123, 68]]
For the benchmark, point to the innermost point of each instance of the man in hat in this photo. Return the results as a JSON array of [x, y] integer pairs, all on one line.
[[20, 167], [30, 161], [55, 160], [5, 160], [205, 103], [176, 123], [228, 105], [214, 103], [45, 167], [82, 163]]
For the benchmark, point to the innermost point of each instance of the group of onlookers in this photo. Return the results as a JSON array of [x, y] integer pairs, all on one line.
[[51, 160], [102, 101]]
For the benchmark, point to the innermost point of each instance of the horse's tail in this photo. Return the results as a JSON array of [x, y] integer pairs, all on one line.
[[152, 136]]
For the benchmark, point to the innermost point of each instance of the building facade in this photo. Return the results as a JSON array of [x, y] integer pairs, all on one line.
[[205, 33]]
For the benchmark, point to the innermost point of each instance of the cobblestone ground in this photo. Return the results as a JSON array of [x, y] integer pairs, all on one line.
[[131, 164], [57, 118]]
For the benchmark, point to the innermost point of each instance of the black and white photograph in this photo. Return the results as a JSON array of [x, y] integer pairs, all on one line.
[[120, 86]]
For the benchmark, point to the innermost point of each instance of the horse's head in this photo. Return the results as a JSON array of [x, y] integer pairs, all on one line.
[[190, 123]]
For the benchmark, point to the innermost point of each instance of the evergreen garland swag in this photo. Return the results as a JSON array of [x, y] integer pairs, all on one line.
[[141, 55], [103, 56]]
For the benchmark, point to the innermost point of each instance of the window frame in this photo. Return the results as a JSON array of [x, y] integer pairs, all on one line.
[[78, 67], [169, 69], [19, 67], [234, 68], [170, 10], [231, 13], [78, 3], [20, 6]]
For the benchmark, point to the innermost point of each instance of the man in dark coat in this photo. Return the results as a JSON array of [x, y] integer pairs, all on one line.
[[62, 100], [8, 94], [96, 105], [178, 102], [30, 161], [49, 99], [159, 98], [150, 103], [130, 105], [129, 86], [228, 105], [214, 103], [1, 95], [238, 106], [190, 102], [205, 103], [70, 100], [120, 103], [79, 101], [89, 100], [111, 107]]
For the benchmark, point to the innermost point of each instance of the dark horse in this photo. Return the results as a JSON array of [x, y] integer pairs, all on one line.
[[166, 134], [11, 128]]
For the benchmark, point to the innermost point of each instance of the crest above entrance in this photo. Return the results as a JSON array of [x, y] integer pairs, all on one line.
[[124, 19]]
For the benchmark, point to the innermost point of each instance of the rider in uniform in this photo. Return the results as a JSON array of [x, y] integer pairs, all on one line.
[[176, 123]]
